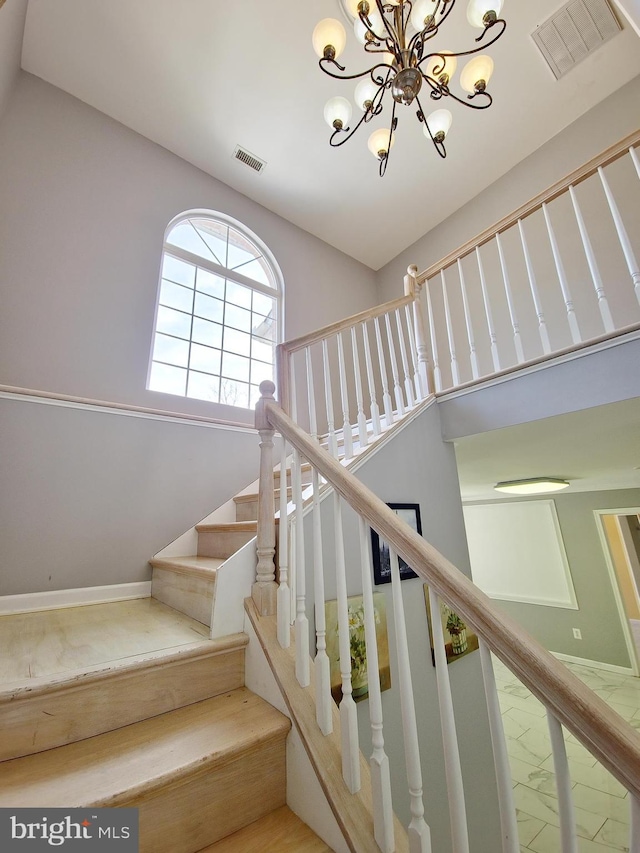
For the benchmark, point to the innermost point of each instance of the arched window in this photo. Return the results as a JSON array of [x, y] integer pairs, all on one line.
[[219, 312]]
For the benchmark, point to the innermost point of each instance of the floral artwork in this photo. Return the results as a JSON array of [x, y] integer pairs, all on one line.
[[357, 647], [459, 640]]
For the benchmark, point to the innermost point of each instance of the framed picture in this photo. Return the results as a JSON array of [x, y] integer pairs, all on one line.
[[459, 640], [359, 671], [409, 513]]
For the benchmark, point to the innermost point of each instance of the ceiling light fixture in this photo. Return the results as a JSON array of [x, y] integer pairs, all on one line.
[[534, 486], [395, 35]]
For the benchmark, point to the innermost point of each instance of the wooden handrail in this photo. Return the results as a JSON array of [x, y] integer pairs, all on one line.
[[604, 733], [614, 152], [339, 326]]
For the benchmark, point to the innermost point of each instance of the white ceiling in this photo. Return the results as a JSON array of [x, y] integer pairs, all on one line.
[[200, 77], [595, 449]]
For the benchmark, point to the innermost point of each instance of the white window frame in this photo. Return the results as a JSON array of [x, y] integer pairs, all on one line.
[[276, 292]]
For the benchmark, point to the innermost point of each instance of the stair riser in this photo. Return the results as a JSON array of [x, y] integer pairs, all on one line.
[[37, 723], [306, 477], [188, 594], [248, 510], [222, 544], [185, 817]]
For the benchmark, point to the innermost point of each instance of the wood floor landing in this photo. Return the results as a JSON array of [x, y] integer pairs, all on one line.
[[52, 642], [278, 832]]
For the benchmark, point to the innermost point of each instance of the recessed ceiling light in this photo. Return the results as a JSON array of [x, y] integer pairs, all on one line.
[[534, 486]]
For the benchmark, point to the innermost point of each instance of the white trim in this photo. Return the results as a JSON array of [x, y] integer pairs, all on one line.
[[538, 602], [60, 598], [46, 398], [624, 621], [543, 363], [594, 664]]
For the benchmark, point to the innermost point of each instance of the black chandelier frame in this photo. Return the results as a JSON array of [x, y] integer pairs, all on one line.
[[411, 56]]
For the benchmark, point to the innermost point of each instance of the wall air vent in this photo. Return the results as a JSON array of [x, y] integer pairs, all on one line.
[[574, 32], [248, 159]]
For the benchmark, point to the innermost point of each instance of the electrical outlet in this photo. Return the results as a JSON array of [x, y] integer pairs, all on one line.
[[577, 634]]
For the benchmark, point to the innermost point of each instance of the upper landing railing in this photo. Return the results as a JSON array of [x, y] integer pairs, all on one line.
[[559, 273]]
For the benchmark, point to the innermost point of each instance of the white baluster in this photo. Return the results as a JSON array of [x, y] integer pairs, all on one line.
[[347, 436], [264, 591], [506, 804], [568, 837], [475, 372], [302, 623], [636, 161], [596, 278], [348, 710], [373, 402], [437, 375], [634, 838], [363, 436], [455, 374], [417, 385], [512, 312], [576, 337], [386, 397], [413, 288], [379, 761], [535, 295], [487, 310], [408, 385], [293, 550], [313, 420], [625, 243], [328, 396], [418, 831], [284, 593], [324, 702], [452, 767], [397, 390]]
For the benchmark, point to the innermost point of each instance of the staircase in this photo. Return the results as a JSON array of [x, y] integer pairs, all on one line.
[[173, 732]]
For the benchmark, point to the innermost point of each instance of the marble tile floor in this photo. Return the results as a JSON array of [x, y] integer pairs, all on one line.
[[53, 642], [602, 805]]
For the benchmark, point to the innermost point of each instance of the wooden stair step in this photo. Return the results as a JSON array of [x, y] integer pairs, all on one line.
[[196, 774], [247, 505], [281, 831], [306, 468], [186, 583], [223, 540]]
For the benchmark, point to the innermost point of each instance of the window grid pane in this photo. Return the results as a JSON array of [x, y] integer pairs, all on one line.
[[215, 338]]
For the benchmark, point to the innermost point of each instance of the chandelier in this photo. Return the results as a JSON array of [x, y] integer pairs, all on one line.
[[396, 36]]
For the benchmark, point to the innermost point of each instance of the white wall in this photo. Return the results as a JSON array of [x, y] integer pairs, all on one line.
[[12, 17]]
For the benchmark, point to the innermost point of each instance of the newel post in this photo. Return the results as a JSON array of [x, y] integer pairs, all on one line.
[[264, 590], [414, 288]]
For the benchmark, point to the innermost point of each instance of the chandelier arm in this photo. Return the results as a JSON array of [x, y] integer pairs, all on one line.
[[368, 26], [490, 27], [347, 131], [463, 52], [439, 146], [385, 159], [466, 102], [353, 76], [392, 35]]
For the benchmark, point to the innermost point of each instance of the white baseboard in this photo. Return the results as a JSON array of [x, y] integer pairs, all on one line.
[[595, 664], [60, 598]]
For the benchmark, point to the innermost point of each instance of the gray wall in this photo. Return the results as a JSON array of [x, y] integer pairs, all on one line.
[[416, 466], [602, 126], [597, 616], [12, 17]]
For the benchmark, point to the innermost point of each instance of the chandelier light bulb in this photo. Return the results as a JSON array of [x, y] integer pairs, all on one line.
[[365, 92], [476, 74], [422, 14], [379, 142], [439, 124], [478, 9], [329, 38], [337, 113], [445, 68], [375, 19]]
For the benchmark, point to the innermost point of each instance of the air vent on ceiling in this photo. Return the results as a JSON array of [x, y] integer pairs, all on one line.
[[574, 32], [249, 159]]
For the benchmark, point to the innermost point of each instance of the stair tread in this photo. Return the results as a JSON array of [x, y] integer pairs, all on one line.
[[113, 768], [231, 526], [189, 564], [280, 831], [253, 496]]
